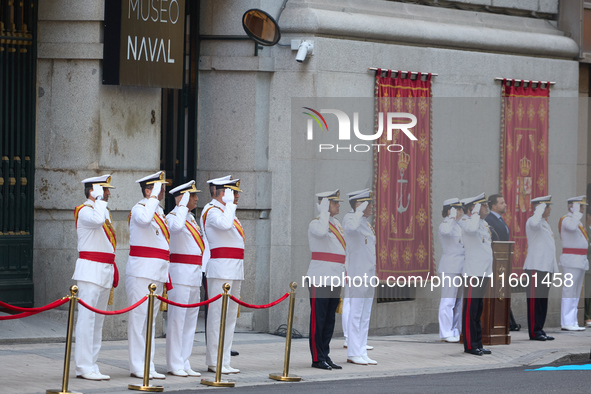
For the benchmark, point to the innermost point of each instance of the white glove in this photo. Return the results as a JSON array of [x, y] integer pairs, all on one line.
[[184, 200], [156, 190], [476, 209], [540, 208], [323, 206], [453, 213], [576, 207], [228, 196], [97, 191], [361, 207]]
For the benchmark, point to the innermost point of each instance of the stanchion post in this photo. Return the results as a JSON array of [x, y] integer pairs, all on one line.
[[69, 335], [285, 377], [218, 382], [146, 385]]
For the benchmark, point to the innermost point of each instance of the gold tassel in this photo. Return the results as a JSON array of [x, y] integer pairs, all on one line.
[[340, 307], [238, 311], [164, 305], [111, 296]]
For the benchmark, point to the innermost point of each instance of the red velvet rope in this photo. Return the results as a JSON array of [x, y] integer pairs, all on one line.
[[31, 311], [120, 311], [167, 301], [244, 304], [47, 307]]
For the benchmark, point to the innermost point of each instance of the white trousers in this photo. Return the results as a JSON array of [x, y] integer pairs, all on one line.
[[89, 326], [358, 325], [571, 295], [346, 308], [137, 288], [182, 322], [450, 307], [214, 287]]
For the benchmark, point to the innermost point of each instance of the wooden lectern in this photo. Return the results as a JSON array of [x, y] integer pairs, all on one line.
[[495, 318]]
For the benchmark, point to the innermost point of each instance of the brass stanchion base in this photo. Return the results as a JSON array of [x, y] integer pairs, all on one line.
[[141, 387], [284, 378], [221, 383], [59, 391]]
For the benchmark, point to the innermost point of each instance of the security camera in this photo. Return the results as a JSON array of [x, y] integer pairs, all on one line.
[[306, 48]]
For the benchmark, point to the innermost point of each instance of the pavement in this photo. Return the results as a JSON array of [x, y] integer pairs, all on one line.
[[30, 366]]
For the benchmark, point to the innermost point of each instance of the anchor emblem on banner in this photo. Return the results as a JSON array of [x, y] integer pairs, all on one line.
[[403, 161]]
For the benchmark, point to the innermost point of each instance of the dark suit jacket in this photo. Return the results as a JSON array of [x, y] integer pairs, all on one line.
[[498, 229]]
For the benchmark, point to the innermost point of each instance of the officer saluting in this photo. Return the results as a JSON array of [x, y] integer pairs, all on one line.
[[225, 240], [186, 250], [450, 266], [477, 266], [573, 260], [148, 263], [541, 262], [327, 244], [361, 262], [95, 272]]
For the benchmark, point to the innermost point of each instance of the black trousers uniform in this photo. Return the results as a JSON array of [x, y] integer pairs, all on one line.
[[323, 306], [471, 313], [537, 302]]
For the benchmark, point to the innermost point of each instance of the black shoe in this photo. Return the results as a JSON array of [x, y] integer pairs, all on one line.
[[517, 327], [321, 365], [485, 351], [539, 338], [333, 365], [234, 353], [549, 338], [476, 352]]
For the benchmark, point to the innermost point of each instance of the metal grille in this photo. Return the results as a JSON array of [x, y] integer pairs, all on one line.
[[18, 20]]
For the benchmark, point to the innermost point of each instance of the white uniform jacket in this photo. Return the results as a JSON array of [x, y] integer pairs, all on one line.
[[92, 238], [541, 246], [361, 245], [145, 232], [322, 239], [477, 245], [221, 229], [186, 242], [572, 234], [450, 236]]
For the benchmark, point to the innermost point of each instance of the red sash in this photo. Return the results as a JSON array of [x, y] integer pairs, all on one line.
[[227, 253], [185, 259], [581, 252], [147, 252], [106, 258], [330, 257]]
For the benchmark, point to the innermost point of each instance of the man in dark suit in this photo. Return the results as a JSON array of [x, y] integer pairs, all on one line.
[[499, 231], [498, 207]]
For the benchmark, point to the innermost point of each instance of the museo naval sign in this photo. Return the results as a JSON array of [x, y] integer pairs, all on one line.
[[144, 43]]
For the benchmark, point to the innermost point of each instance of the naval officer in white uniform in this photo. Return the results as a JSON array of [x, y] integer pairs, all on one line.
[[478, 260], [573, 260], [450, 267], [540, 265], [186, 251], [149, 239], [326, 238], [225, 240], [95, 272], [361, 263]]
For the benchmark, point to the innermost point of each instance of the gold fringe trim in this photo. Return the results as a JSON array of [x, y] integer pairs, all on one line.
[[164, 305], [111, 296]]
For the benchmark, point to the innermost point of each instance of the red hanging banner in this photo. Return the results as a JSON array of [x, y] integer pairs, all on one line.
[[524, 158], [402, 180]]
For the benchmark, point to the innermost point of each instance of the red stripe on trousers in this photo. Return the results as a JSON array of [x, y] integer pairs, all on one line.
[[532, 312], [468, 325], [313, 333]]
